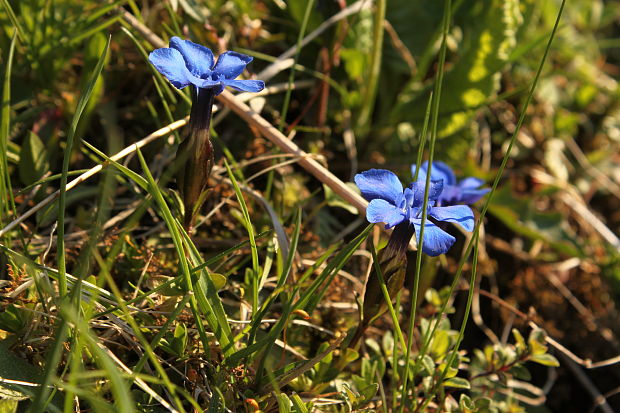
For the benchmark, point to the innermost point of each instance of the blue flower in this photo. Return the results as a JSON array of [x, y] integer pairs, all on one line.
[[466, 192], [185, 63], [390, 204]]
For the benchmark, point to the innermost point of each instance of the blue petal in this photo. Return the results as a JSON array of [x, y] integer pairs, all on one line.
[[170, 63], [470, 196], [198, 59], [230, 64], [436, 241], [379, 210], [379, 184], [471, 183], [440, 171], [434, 191], [245, 85], [216, 85], [460, 214]]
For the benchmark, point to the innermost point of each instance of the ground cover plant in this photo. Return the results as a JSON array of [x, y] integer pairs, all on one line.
[[302, 206]]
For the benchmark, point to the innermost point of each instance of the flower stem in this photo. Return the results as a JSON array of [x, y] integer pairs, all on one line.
[[195, 155]]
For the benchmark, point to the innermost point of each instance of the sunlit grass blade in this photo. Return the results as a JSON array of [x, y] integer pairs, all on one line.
[[247, 222], [282, 277], [305, 297], [7, 203], [436, 98], [16, 24], [84, 98], [207, 297], [55, 353], [470, 245]]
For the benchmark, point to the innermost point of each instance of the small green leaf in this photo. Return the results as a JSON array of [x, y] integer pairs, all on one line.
[[440, 343], [179, 339], [284, 403], [369, 392], [350, 355], [466, 404], [11, 319], [428, 364], [457, 382], [536, 342], [520, 372], [520, 341], [298, 405], [545, 359], [334, 200]]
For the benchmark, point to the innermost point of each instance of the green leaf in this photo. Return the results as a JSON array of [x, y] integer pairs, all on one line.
[[545, 359], [8, 406], [284, 403], [369, 392], [536, 342], [12, 319], [520, 341], [466, 404], [520, 215], [520, 372], [298, 404], [428, 364], [33, 159], [457, 382], [179, 340]]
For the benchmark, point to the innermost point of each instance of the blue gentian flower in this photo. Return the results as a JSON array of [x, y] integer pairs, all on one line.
[[186, 63], [465, 192], [393, 205]]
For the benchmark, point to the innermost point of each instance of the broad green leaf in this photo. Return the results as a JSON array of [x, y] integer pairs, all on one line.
[[489, 38]]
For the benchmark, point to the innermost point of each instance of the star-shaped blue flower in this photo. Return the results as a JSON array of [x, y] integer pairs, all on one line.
[[391, 204], [186, 63], [466, 192]]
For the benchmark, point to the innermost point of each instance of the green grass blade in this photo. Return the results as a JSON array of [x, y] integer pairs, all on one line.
[[84, 98], [247, 222], [208, 298], [305, 297], [18, 28], [498, 176], [418, 264], [6, 192], [291, 77]]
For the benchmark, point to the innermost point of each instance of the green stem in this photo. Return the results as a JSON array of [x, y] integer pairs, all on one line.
[[435, 112], [500, 172]]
